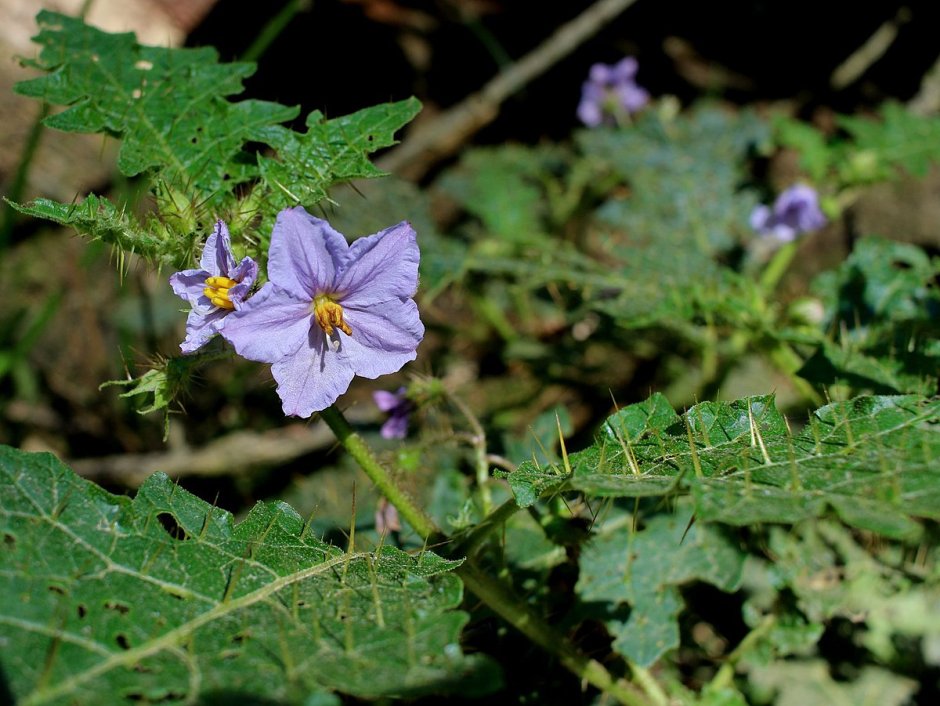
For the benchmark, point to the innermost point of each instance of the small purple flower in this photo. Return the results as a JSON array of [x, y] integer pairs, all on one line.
[[611, 93], [330, 310], [399, 408], [795, 211], [213, 291]]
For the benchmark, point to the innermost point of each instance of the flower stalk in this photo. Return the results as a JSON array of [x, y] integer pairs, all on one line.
[[499, 597]]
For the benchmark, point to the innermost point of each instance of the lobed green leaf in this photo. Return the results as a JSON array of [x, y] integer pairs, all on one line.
[[871, 459], [165, 597]]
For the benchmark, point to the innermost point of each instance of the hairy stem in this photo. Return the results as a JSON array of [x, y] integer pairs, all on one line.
[[495, 594], [360, 451]]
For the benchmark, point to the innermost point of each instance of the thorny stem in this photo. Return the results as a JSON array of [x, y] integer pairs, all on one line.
[[520, 615], [360, 451], [471, 541], [499, 597]]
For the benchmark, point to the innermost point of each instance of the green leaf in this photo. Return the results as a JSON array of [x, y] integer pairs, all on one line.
[[832, 575], [882, 303], [502, 187], [168, 105], [165, 597], [97, 218], [809, 682], [684, 176], [331, 151], [900, 139], [643, 569], [170, 108], [872, 460]]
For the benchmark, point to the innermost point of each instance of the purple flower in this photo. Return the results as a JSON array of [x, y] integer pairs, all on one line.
[[330, 310], [611, 93], [795, 211], [399, 408], [213, 291]]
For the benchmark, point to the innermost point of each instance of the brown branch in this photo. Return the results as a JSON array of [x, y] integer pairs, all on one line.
[[444, 134], [233, 454]]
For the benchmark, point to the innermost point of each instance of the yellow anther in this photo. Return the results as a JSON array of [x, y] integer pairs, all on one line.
[[216, 291], [329, 314]]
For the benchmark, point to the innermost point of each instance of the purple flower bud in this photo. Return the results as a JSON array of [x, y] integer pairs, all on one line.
[[330, 310], [215, 290], [611, 92], [399, 408], [796, 211]]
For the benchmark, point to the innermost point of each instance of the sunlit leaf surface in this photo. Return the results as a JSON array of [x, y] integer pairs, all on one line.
[[164, 596]]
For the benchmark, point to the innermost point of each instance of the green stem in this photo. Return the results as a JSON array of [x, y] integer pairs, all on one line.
[[472, 540], [520, 615], [725, 674], [777, 267], [18, 185], [272, 29], [478, 441], [491, 591], [360, 451]]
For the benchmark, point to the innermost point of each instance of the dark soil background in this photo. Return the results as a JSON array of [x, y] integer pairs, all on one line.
[[341, 56]]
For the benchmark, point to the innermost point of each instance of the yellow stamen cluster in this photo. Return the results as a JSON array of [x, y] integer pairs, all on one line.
[[329, 314], [217, 291]]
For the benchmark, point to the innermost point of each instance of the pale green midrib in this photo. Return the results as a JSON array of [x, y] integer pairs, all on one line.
[[142, 116], [179, 634], [110, 565]]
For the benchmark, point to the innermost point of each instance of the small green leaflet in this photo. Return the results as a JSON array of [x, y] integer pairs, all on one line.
[[872, 459], [166, 597]]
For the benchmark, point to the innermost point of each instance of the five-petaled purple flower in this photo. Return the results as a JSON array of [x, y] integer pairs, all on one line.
[[399, 408], [611, 94], [330, 310], [795, 211], [215, 290]]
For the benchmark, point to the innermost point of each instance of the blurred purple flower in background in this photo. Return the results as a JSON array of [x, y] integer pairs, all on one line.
[[213, 291], [330, 310], [399, 408], [795, 211], [611, 93]]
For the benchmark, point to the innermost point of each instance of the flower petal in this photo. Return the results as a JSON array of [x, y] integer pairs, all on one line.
[[380, 267], [189, 284], [395, 427], [387, 401], [311, 379], [382, 343], [392, 327], [200, 327], [305, 253], [270, 325], [217, 258]]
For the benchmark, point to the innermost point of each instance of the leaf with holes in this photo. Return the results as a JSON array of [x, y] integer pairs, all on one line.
[[167, 105], [207, 156], [872, 459], [642, 569], [165, 597], [330, 151]]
